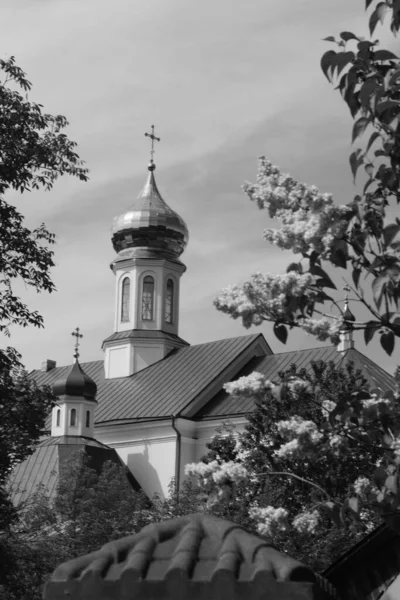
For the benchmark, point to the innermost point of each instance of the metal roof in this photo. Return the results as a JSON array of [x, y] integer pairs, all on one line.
[[223, 405], [43, 466], [196, 556], [164, 388]]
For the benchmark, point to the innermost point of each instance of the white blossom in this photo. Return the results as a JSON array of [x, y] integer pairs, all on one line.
[[310, 220], [362, 487], [302, 435], [270, 520], [306, 522], [265, 296], [254, 383], [327, 406], [323, 328]]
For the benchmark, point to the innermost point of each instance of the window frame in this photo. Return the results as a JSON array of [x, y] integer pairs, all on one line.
[[125, 302], [143, 310], [73, 418], [169, 301]]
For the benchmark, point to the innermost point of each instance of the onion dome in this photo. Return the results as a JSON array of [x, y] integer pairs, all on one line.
[[348, 316], [150, 227], [75, 383]]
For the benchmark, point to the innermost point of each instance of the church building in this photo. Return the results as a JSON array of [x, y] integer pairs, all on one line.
[[159, 399]]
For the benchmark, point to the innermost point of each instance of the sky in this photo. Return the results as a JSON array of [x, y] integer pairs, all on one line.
[[224, 82]]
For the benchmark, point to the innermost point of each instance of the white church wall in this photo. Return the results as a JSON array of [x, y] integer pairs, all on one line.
[[148, 450]]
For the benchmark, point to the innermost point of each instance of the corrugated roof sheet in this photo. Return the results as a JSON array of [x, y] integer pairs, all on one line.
[[165, 387], [222, 405], [42, 468]]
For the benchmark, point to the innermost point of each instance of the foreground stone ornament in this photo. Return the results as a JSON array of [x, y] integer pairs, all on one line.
[[198, 557]]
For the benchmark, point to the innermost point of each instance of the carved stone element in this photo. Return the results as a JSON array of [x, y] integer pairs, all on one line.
[[196, 557]]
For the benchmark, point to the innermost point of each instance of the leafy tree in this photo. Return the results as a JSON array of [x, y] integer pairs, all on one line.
[[91, 508], [34, 152], [266, 478], [23, 407], [361, 238]]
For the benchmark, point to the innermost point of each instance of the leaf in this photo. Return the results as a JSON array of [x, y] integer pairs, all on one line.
[[391, 484], [359, 127], [327, 62], [369, 331], [372, 139], [385, 105], [390, 232], [369, 169], [280, 332], [327, 281], [367, 3], [356, 159], [347, 35], [356, 276], [354, 504], [366, 91], [330, 38], [339, 254], [378, 287], [342, 60], [373, 22], [387, 342], [379, 477], [385, 55]]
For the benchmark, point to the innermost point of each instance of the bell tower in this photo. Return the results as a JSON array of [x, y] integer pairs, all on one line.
[[149, 239]]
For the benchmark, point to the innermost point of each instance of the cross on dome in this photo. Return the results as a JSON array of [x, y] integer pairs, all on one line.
[[153, 139], [78, 336]]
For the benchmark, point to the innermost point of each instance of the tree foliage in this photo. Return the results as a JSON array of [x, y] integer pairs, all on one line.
[[91, 508], [291, 496], [34, 152]]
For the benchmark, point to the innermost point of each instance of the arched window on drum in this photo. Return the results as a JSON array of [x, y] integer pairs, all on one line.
[[72, 421], [148, 299], [169, 301], [125, 299]]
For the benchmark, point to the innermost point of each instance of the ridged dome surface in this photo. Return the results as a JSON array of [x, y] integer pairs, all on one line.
[[348, 316], [150, 224], [75, 383]]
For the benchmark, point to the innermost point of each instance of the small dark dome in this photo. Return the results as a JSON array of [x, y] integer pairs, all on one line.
[[150, 225], [75, 383], [348, 316]]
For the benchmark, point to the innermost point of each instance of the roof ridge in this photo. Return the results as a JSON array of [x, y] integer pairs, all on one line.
[[365, 357], [235, 337], [303, 350]]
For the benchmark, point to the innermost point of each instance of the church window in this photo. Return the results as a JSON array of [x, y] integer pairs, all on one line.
[[88, 418], [125, 298], [58, 418], [169, 301], [72, 421], [148, 299]]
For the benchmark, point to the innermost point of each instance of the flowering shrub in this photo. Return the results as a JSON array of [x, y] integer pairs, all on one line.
[[362, 237], [340, 419]]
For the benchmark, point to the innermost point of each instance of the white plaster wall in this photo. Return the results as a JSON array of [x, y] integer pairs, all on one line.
[[118, 361], [152, 464], [148, 450]]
